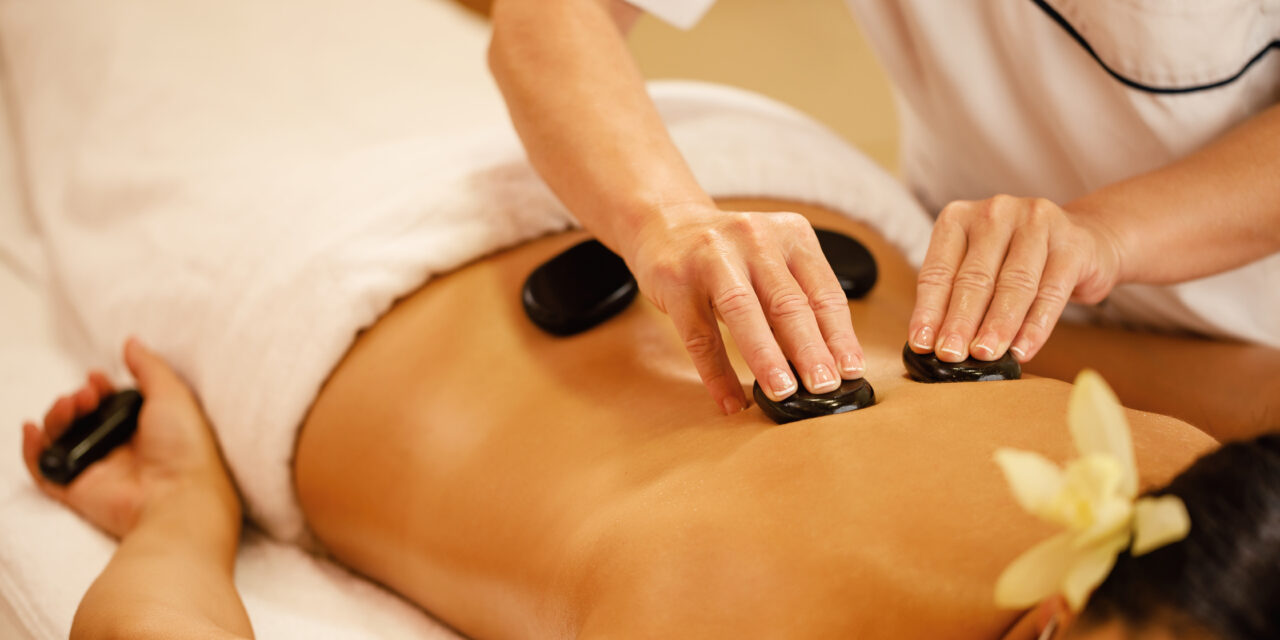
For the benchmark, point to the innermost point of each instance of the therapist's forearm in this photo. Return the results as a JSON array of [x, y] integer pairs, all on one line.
[[580, 106], [172, 575], [1212, 211]]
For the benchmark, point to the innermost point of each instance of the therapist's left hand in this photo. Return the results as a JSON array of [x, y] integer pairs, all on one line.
[[1000, 271]]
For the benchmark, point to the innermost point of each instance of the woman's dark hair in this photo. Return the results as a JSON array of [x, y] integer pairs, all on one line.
[[1224, 578]]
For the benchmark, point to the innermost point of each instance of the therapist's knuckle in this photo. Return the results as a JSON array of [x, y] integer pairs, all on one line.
[[734, 300], [935, 275], [828, 300], [974, 278], [953, 215], [741, 225], [1043, 211], [701, 344], [811, 351], [668, 271], [786, 304], [1019, 281], [1001, 204], [760, 355], [1055, 294]]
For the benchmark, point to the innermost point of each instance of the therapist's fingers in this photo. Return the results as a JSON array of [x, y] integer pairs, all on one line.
[[736, 302], [786, 307], [696, 323], [974, 283], [1015, 290], [1059, 279], [933, 285], [830, 308]]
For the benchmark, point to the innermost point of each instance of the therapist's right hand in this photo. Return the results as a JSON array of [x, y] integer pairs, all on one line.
[[765, 276]]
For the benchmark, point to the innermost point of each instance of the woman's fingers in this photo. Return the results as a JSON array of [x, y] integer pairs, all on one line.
[[696, 323], [59, 416], [98, 380], [34, 442]]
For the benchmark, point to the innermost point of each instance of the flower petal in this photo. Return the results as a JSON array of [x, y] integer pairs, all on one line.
[[1157, 522], [1098, 425], [1036, 574], [1110, 516], [1090, 568], [1033, 479]]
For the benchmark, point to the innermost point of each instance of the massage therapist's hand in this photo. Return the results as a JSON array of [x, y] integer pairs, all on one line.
[[171, 456], [999, 273], [764, 274]]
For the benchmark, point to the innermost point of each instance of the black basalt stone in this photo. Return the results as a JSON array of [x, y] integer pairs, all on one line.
[[926, 367], [850, 396], [852, 263], [578, 289], [91, 437]]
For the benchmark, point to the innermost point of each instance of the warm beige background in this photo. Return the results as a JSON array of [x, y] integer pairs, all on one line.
[[807, 53]]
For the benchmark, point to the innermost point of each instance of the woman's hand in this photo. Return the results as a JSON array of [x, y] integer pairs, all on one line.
[[765, 275], [999, 272], [173, 449]]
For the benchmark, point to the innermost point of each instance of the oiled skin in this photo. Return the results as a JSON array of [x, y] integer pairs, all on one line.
[[518, 485]]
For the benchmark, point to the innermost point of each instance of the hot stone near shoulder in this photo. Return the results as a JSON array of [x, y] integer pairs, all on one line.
[[852, 263], [926, 367]]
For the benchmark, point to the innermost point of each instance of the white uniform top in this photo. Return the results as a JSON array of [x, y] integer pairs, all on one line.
[[1057, 98]]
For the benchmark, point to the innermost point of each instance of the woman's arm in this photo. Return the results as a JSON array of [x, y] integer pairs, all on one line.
[[172, 575], [580, 106], [167, 496], [1000, 271]]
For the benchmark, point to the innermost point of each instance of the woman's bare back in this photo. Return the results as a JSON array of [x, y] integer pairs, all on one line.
[[516, 484]]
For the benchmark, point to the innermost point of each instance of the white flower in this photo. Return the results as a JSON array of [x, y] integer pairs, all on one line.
[[1092, 499]]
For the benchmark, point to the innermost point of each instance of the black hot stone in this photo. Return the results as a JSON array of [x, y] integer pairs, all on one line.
[[91, 437], [926, 367], [578, 289], [850, 396], [852, 263]]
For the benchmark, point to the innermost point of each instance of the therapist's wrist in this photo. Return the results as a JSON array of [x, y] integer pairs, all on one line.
[[654, 218], [1113, 240]]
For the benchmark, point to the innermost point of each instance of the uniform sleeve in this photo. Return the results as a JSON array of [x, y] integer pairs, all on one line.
[[681, 14]]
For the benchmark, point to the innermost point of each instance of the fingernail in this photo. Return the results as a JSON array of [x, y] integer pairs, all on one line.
[[1019, 353], [923, 339], [953, 346], [731, 405], [983, 347], [821, 380], [851, 367], [781, 383]]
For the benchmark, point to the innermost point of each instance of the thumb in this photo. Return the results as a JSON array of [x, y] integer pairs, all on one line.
[[154, 376]]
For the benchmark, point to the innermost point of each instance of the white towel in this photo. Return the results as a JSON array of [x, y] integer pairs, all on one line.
[[210, 176]]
